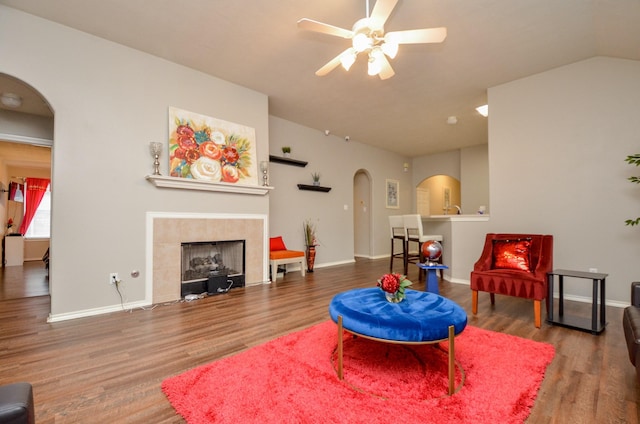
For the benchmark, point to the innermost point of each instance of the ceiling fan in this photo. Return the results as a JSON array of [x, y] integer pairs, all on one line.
[[367, 36]]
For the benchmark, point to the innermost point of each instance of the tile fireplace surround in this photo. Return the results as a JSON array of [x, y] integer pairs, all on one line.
[[165, 232]]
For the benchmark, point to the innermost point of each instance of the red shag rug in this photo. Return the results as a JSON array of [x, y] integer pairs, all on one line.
[[292, 379]]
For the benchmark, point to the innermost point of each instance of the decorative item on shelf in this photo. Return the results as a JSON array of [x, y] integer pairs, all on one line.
[[286, 151], [155, 148], [9, 225], [264, 167], [316, 178], [393, 286], [311, 241], [431, 251]]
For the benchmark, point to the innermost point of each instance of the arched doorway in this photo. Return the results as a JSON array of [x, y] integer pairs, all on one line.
[[362, 220], [26, 140], [438, 195]]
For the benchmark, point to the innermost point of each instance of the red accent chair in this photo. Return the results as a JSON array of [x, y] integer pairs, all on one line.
[[280, 255], [523, 274]]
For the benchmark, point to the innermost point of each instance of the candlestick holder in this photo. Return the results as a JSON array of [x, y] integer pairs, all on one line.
[[264, 167], [155, 148]]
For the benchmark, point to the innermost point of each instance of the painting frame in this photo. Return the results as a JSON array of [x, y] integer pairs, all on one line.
[[211, 149], [446, 198], [392, 194]]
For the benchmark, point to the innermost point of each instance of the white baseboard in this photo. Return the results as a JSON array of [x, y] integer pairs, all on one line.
[[328, 264], [581, 299], [96, 311]]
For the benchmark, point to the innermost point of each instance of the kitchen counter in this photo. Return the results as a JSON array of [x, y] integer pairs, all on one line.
[[458, 218], [463, 241]]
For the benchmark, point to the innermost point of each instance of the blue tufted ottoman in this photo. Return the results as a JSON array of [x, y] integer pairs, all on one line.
[[421, 318]]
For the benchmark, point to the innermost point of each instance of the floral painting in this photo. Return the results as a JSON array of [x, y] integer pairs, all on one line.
[[210, 149]]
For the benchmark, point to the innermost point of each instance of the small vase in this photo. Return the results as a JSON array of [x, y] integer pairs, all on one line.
[[393, 297], [316, 183]]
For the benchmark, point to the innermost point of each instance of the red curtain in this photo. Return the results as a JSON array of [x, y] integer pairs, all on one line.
[[34, 192]]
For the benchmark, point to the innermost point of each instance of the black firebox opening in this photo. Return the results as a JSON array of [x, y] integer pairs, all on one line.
[[213, 267]]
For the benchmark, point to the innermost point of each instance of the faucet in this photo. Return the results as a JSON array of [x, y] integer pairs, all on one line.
[[459, 210]]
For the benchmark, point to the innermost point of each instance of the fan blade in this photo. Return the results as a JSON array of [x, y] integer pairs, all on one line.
[[416, 36], [331, 65], [311, 25], [381, 11], [386, 71]]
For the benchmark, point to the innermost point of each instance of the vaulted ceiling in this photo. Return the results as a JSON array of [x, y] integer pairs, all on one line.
[[256, 44]]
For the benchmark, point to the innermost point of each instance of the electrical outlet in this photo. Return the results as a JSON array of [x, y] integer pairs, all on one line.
[[593, 269], [113, 278]]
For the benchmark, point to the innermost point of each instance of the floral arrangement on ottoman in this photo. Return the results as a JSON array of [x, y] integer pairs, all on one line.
[[393, 286]]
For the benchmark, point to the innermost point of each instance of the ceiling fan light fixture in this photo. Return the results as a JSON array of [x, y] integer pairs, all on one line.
[[390, 49], [361, 42], [348, 58], [375, 66], [368, 36]]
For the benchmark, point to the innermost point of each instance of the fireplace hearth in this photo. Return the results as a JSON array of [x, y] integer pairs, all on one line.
[[212, 267]]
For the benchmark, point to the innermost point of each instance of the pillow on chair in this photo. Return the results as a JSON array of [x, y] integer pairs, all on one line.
[[276, 243], [511, 254]]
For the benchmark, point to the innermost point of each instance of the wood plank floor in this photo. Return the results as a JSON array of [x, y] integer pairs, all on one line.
[[109, 368]]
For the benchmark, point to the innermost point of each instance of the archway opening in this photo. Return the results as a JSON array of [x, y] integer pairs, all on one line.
[[438, 195]]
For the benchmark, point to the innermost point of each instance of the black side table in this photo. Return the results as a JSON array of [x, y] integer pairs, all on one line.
[[597, 324]]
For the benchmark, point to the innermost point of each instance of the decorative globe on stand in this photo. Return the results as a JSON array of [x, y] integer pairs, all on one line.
[[431, 252]]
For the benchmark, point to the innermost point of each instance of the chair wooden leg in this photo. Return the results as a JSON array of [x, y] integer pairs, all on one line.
[[391, 262], [406, 257], [493, 298], [537, 305], [421, 272], [474, 301]]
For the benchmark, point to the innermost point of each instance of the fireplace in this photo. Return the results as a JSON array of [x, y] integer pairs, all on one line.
[[166, 231], [212, 266]]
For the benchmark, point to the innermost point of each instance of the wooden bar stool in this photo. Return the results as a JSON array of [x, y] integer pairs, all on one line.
[[396, 224], [415, 234]]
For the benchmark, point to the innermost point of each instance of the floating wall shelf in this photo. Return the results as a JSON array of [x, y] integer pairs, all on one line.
[[314, 188], [287, 161], [190, 184]]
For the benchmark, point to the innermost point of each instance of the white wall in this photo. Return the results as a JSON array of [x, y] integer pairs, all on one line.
[[557, 144], [469, 165], [337, 161], [474, 178], [110, 102], [35, 127]]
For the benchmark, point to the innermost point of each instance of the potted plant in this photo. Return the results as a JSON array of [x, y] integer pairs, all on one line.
[[316, 178], [634, 160], [311, 242], [286, 151]]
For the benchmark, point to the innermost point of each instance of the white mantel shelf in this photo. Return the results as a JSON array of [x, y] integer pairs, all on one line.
[[161, 181]]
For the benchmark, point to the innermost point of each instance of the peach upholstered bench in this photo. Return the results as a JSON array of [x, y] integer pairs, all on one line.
[[279, 255]]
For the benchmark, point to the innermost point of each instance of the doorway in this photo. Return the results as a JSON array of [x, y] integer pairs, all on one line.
[[362, 221], [26, 141], [438, 195]]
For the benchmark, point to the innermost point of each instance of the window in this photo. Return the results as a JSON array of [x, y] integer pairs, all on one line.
[[41, 224]]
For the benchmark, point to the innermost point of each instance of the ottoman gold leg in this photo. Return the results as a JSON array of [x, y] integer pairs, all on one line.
[[340, 334], [452, 360]]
